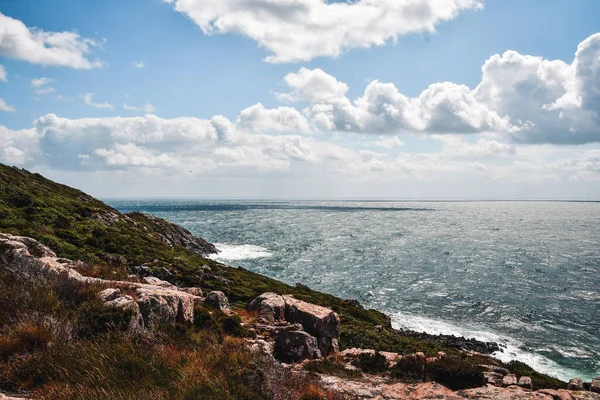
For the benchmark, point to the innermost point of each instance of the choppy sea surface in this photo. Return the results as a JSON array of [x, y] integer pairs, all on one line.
[[524, 274]]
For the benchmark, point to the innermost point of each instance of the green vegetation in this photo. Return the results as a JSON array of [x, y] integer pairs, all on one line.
[[540, 381], [372, 363], [331, 366], [453, 373]]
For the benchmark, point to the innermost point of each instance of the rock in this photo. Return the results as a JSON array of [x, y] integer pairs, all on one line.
[[525, 382], [293, 346], [270, 307], [316, 320], [151, 280], [556, 394], [217, 300], [128, 303], [595, 386], [493, 378], [261, 346], [440, 355], [193, 291], [420, 355], [510, 379], [165, 305], [109, 294], [133, 278], [575, 384]]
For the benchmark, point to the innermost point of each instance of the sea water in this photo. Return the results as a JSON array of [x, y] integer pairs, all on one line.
[[524, 274]]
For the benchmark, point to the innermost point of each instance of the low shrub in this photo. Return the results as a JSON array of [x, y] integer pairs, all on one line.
[[540, 381], [450, 372], [372, 363], [95, 318], [331, 366]]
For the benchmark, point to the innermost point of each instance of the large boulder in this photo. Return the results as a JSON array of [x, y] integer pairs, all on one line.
[[292, 346], [270, 307], [317, 320], [217, 300], [510, 379], [165, 305]]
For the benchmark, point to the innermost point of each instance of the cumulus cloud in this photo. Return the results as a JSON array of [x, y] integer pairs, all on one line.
[[526, 98], [6, 107], [3, 74], [62, 49], [300, 30], [282, 119], [89, 100]]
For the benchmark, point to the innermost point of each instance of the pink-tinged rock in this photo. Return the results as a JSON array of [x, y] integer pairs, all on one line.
[[316, 320], [440, 355], [556, 394], [294, 346], [510, 379], [109, 294], [391, 357], [420, 355], [525, 382], [193, 291], [151, 280], [270, 307], [431, 360], [575, 384]]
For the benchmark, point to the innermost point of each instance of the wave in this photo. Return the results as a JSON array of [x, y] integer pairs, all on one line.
[[512, 349], [231, 252]]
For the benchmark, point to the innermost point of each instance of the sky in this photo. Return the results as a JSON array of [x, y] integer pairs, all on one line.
[[305, 99]]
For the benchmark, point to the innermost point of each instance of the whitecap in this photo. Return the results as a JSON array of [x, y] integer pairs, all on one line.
[[512, 349], [231, 252]]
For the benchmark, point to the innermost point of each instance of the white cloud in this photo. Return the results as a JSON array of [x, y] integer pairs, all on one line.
[[3, 74], [130, 107], [45, 90], [147, 108], [300, 30], [139, 64], [64, 49], [6, 107], [282, 119], [41, 81], [89, 100], [527, 98]]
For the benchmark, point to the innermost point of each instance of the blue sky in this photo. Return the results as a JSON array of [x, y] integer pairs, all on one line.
[[186, 76]]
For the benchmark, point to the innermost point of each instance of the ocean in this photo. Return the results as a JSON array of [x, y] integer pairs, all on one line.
[[524, 274]]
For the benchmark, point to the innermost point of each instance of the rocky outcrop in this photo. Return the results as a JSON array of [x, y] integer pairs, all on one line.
[[153, 302], [174, 235], [320, 323]]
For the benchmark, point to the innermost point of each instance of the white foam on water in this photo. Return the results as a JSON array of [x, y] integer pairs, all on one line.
[[512, 351], [231, 252]]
